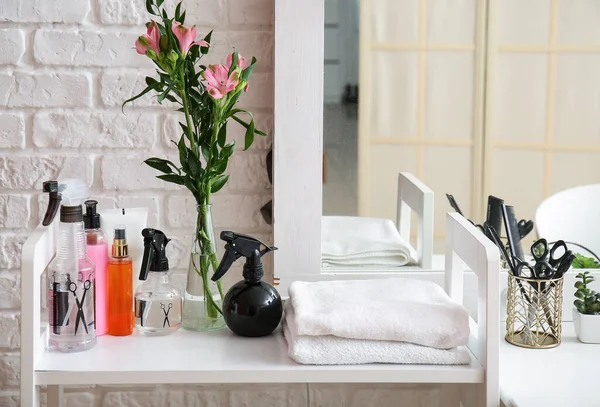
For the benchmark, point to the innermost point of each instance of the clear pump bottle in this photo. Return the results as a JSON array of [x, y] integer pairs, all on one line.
[[70, 275], [157, 300]]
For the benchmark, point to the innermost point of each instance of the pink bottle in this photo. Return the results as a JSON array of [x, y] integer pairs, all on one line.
[[97, 250]]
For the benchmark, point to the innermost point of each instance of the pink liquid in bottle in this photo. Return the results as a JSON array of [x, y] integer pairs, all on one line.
[[98, 253]]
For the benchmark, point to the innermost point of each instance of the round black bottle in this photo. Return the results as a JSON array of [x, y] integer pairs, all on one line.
[[252, 308]]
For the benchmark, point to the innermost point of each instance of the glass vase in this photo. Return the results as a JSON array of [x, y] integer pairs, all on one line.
[[203, 299]]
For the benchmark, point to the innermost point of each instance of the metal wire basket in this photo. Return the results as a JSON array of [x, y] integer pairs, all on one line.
[[534, 312]]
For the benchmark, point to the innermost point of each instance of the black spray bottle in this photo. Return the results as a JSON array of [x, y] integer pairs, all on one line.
[[251, 307], [157, 300]]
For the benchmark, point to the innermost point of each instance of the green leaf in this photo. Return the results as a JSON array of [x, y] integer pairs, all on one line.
[[580, 306], [149, 4], [139, 95], [579, 294], [248, 71], [159, 2], [227, 151], [175, 179], [233, 101], [164, 14], [219, 167], [194, 164], [182, 18], [579, 284], [177, 10], [222, 138], [249, 137], [183, 154], [161, 165], [234, 62], [218, 183], [184, 128], [204, 50], [205, 152], [189, 184]]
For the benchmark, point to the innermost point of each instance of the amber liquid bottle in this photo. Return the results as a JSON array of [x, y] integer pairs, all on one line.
[[120, 287]]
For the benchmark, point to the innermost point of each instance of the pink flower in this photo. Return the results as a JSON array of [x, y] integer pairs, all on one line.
[[218, 82], [186, 36], [242, 62], [150, 40]]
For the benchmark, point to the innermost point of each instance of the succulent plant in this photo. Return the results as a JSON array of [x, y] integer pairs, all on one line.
[[588, 300]]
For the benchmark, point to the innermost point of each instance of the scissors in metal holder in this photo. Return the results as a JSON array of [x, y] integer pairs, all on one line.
[[552, 262], [87, 284], [166, 311]]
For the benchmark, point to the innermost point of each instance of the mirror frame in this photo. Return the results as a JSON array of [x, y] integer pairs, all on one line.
[[298, 137]]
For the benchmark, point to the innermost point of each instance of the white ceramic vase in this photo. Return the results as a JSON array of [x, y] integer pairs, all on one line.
[[587, 327]]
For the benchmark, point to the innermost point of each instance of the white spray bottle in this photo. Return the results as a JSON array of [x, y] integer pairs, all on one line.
[[71, 275]]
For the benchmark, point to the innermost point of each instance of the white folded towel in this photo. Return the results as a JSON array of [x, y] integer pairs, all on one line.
[[331, 350], [396, 309], [355, 241]]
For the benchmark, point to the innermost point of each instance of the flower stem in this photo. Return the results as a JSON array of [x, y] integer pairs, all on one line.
[[188, 119]]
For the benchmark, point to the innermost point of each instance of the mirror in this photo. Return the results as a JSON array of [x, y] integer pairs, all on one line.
[[472, 110]]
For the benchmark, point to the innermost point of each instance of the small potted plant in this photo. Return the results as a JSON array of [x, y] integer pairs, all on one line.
[[586, 314]]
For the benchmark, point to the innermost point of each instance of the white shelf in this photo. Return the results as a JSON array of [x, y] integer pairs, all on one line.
[[222, 357], [558, 377]]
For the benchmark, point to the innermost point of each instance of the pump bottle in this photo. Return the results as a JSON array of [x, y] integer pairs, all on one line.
[[251, 307], [119, 286], [97, 249], [70, 275], [157, 300]]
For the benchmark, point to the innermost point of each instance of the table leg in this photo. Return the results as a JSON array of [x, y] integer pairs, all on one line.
[[55, 396]]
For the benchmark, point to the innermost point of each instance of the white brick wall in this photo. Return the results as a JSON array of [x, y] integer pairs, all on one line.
[[65, 68]]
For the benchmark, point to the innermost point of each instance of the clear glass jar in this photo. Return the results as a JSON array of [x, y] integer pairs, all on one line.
[[157, 305], [203, 299]]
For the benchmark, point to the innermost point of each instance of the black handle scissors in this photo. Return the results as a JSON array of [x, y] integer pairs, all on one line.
[[87, 284], [525, 227], [554, 262], [166, 311]]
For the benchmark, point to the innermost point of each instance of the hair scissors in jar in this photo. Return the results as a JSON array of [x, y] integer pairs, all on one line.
[[87, 284]]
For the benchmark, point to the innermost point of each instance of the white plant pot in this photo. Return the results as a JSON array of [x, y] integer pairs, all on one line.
[[587, 327]]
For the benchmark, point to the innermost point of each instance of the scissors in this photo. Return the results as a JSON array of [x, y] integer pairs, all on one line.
[[525, 227], [87, 284], [166, 311], [551, 263]]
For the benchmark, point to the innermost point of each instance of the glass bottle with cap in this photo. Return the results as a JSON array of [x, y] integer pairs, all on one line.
[[70, 275], [157, 300], [120, 286]]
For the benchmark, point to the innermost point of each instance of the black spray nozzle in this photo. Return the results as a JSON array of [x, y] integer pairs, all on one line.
[[91, 219], [155, 254], [51, 187], [238, 245]]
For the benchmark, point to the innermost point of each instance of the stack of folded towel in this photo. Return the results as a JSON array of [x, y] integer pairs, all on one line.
[[353, 241], [374, 321]]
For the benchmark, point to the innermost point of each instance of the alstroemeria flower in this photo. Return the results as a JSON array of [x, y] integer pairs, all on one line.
[[150, 40], [242, 62], [218, 82], [186, 36]]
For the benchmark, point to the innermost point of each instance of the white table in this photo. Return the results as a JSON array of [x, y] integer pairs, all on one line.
[[565, 376]]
